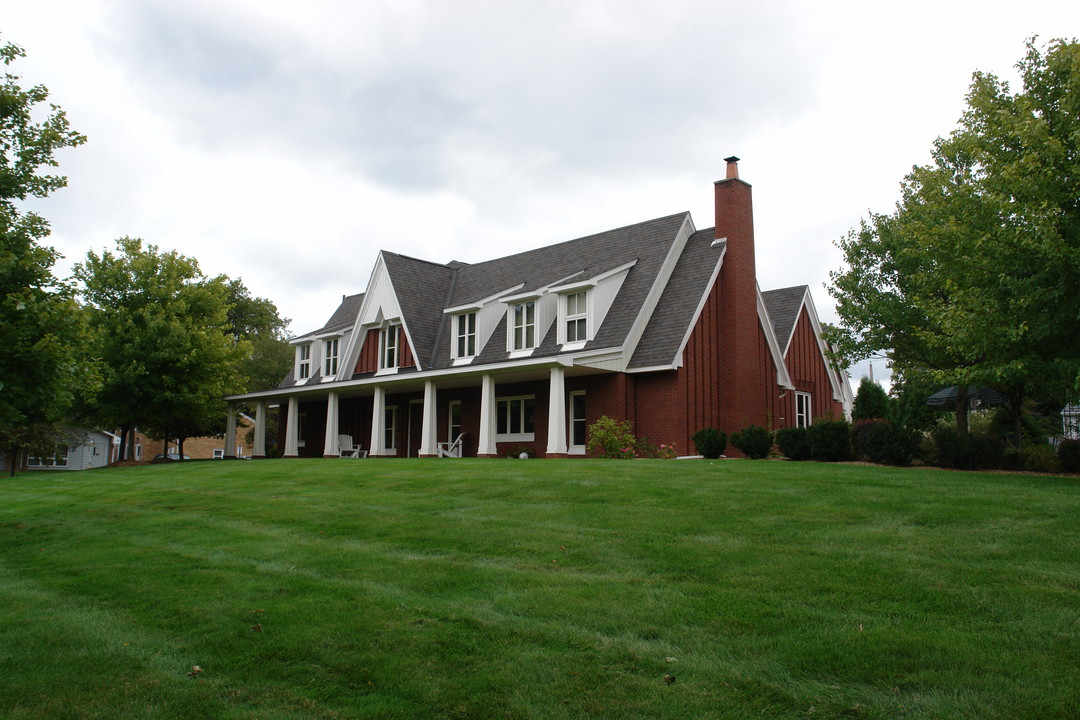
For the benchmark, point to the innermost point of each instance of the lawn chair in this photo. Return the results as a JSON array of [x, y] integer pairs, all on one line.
[[450, 449], [347, 449]]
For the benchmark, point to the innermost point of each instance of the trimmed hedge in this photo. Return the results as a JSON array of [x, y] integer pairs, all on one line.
[[830, 440], [710, 443], [793, 443], [754, 441]]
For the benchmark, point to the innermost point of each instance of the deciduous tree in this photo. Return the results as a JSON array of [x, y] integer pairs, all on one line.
[[42, 367]]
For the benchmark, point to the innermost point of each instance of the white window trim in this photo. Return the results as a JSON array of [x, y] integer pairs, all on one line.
[[466, 357], [328, 372], [302, 361], [565, 318], [384, 335], [803, 419], [511, 336], [572, 449], [515, 437], [390, 429]]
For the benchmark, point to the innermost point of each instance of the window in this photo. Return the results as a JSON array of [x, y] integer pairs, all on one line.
[[303, 362], [454, 425], [802, 409], [525, 326], [388, 359], [514, 418], [577, 421], [577, 320], [59, 459], [465, 335], [331, 358], [390, 428]]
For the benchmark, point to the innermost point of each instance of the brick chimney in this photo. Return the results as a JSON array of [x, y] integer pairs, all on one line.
[[743, 382]]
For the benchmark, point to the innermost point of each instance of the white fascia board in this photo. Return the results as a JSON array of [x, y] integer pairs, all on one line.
[[815, 323], [678, 361], [663, 276], [585, 283], [352, 349], [651, 368], [783, 377], [480, 304], [540, 291]]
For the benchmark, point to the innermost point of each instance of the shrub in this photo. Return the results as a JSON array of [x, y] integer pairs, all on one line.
[[754, 441], [1039, 458], [646, 449], [792, 443], [612, 438], [1069, 455], [710, 443], [967, 452], [830, 440], [881, 441]]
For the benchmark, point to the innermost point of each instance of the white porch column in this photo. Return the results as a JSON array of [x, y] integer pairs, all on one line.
[[556, 442], [292, 436], [259, 446], [330, 443], [428, 436], [378, 422], [230, 433], [487, 418]]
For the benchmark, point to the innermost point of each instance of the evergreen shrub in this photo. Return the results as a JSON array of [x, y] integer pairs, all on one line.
[[1069, 456], [710, 442], [793, 443], [754, 441], [830, 440]]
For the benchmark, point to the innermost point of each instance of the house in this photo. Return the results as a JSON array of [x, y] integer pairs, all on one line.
[[84, 450], [658, 323], [208, 447]]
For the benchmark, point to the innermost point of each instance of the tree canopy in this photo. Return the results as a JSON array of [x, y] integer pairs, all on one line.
[[42, 369], [161, 330], [974, 278]]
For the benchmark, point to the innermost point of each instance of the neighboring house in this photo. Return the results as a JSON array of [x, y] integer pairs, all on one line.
[[198, 448], [658, 323], [87, 449], [1070, 422]]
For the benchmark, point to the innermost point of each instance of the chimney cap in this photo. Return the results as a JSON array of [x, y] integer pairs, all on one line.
[[732, 167], [731, 159]]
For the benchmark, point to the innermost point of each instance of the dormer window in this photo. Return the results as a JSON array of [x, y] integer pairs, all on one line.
[[525, 326], [330, 358], [577, 317], [465, 335], [388, 358], [303, 362]]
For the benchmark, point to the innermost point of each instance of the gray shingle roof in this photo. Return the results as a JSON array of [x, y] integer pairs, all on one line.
[[783, 306], [422, 289], [671, 320]]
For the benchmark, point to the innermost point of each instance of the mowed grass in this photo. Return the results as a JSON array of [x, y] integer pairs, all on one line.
[[538, 589]]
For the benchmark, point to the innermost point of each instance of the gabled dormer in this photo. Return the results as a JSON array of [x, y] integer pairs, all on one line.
[[471, 325]]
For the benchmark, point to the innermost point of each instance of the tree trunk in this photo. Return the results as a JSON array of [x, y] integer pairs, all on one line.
[[961, 410], [124, 445], [14, 456], [180, 448], [1016, 404]]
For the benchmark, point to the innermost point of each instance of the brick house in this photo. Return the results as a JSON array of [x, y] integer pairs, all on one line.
[[658, 323]]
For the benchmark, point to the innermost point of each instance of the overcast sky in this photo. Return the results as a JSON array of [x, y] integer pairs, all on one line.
[[285, 143]]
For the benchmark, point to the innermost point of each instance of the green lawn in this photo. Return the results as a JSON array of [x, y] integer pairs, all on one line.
[[538, 589]]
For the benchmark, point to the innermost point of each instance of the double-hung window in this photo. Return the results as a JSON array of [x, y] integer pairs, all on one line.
[[330, 359], [465, 335], [577, 421], [577, 317], [515, 418], [802, 409], [525, 325], [388, 359], [303, 362], [390, 428]]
